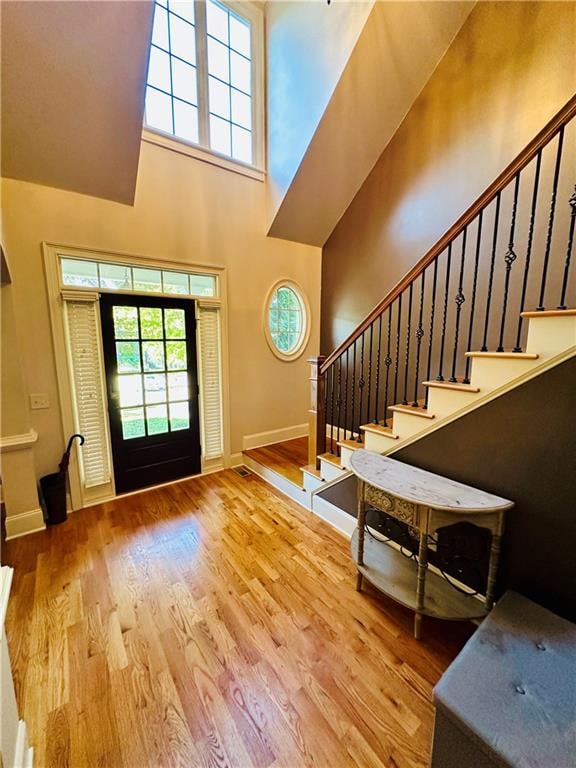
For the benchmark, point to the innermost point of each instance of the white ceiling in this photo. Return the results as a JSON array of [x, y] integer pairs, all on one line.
[[396, 52], [73, 79]]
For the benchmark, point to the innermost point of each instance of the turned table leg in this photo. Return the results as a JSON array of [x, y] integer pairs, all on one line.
[[361, 532], [421, 579], [493, 564]]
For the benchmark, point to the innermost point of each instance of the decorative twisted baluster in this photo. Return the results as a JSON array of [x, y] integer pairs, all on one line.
[[491, 278], [419, 335], [369, 373], [346, 399], [361, 384], [509, 260], [332, 404], [397, 360], [407, 361], [431, 334], [339, 398], [518, 348], [459, 299], [540, 306], [353, 403], [440, 376], [572, 204], [375, 420], [466, 379], [387, 363]]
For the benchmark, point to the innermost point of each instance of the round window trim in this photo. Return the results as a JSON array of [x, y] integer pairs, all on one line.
[[298, 349]]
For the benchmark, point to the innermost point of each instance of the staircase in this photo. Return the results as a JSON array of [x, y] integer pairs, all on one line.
[[491, 305]]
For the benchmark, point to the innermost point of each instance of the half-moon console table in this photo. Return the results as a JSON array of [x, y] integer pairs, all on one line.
[[425, 502]]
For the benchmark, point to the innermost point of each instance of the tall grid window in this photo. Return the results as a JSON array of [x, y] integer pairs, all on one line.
[[200, 77]]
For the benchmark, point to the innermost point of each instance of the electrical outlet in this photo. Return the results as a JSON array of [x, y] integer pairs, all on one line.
[[38, 402]]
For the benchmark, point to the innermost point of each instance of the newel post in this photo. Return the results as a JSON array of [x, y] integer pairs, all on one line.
[[316, 414]]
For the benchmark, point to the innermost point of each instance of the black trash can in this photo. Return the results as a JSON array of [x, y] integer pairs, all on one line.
[[53, 489]]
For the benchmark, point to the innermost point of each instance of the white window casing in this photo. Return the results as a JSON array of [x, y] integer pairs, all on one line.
[[82, 324], [210, 377]]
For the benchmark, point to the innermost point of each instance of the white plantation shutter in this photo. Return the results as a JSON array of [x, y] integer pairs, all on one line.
[[83, 330], [210, 381]]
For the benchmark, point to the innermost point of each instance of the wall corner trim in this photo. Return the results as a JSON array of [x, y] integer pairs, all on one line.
[[260, 439], [18, 442], [24, 523]]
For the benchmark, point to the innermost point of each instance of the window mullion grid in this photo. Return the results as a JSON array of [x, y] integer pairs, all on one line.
[[230, 84], [202, 73], [170, 67]]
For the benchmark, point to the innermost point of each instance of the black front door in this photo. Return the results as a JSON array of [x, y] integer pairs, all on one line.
[[152, 385]]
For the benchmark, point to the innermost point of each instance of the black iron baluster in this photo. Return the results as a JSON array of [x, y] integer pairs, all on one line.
[[387, 363], [431, 335], [540, 306], [375, 421], [369, 373], [491, 278], [408, 330], [339, 399], [332, 382], [353, 403], [396, 362], [419, 335], [440, 376], [361, 384], [459, 300], [518, 348], [466, 379], [346, 397], [572, 204], [509, 260]]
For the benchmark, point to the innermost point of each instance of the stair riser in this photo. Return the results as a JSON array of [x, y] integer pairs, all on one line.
[[550, 335], [346, 455], [329, 471], [406, 424], [489, 373], [311, 483], [378, 443], [443, 402]]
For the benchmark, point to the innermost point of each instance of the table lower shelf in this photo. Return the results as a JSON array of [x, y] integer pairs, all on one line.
[[395, 576]]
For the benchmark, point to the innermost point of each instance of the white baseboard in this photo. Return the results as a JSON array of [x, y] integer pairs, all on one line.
[[235, 460], [260, 439], [24, 523], [333, 515]]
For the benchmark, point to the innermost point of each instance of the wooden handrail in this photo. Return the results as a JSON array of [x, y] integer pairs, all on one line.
[[521, 161]]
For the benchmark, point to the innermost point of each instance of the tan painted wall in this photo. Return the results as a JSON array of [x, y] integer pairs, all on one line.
[[308, 44], [188, 211], [511, 67]]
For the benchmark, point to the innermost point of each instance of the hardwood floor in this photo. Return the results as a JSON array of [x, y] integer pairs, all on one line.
[[285, 458], [214, 623]]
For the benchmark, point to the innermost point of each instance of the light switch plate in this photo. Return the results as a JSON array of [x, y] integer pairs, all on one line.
[[38, 402]]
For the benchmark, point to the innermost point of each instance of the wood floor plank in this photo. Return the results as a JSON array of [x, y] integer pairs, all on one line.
[[285, 458], [214, 623]]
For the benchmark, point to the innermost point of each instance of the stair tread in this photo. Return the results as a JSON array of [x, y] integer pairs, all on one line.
[[310, 469], [379, 429], [506, 355], [329, 457], [415, 411], [352, 444], [458, 386], [550, 313]]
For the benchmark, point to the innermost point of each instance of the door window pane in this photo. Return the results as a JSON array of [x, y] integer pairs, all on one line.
[[80, 272], [179, 416], [176, 355], [175, 282], [151, 323], [130, 388], [147, 279], [132, 423], [153, 354], [175, 323], [125, 322], [157, 419], [155, 388], [128, 356], [115, 276], [178, 386]]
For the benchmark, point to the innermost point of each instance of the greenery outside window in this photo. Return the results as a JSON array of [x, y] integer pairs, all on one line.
[[287, 320]]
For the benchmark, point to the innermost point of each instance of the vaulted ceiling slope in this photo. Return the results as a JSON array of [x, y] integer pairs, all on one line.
[[73, 79], [397, 51]]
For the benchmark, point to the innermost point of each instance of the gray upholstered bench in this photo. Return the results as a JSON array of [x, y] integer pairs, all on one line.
[[509, 698]]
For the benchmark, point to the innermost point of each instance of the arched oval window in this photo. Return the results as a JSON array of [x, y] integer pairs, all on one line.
[[287, 320]]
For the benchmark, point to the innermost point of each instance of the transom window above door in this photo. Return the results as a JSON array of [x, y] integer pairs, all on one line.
[[204, 76]]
